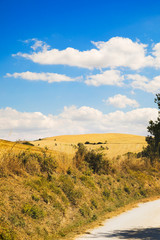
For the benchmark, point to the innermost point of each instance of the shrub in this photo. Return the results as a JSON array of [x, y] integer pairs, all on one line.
[[94, 217], [127, 189], [35, 198], [47, 163], [10, 164], [152, 151], [84, 210], [94, 204], [69, 171], [94, 161], [33, 211], [6, 234], [88, 182], [27, 143], [106, 193], [84, 159], [55, 189], [29, 162], [79, 156], [68, 188]]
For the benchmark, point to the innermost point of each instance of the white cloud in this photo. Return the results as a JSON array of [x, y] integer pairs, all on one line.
[[116, 52], [38, 44], [121, 101], [25, 125], [109, 77], [156, 54], [48, 77], [143, 83]]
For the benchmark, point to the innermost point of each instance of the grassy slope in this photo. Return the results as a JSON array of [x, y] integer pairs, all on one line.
[[15, 147], [118, 144], [35, 207], [37, 203]]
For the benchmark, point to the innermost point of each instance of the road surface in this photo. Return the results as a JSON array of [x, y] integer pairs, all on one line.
[[142, 222]]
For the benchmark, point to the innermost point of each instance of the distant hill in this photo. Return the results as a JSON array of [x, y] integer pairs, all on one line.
[[112, 144]]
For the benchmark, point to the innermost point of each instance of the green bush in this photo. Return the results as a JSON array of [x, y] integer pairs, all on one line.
[[84, 210], [94, 161], [94, 217], [90, 159], [127, 189], [6, 233], [106, 193], [55, 189], [47, 163], [94, 204], [68, 188], [35, 198], [27, 143], [87, 181], [35, 163], [33, 211]]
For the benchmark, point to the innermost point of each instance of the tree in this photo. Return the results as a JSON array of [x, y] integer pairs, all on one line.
[[153, 148], [94, 160], [89, 159], [79, 156]]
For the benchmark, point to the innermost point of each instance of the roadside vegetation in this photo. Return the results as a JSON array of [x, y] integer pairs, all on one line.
[[152, 150], [41, 198]]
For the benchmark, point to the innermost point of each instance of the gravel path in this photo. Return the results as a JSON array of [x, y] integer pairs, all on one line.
[[142, 222]]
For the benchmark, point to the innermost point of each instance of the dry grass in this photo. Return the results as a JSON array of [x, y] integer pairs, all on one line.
[[63, 148], [8, 148], [118, 144], [41, 200]]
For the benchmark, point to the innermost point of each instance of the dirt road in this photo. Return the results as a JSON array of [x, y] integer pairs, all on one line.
[[142, 222]]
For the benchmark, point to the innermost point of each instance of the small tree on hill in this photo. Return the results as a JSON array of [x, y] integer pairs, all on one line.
[[153, 149]]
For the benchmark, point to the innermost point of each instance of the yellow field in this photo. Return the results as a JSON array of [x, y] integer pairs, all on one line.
[[117, 144], [15, 147], [8, 147], [64, 147]]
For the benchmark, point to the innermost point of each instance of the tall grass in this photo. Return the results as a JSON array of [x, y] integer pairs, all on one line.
[[45, 197]]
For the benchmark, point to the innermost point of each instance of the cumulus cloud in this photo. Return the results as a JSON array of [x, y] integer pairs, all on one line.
[[121, 101], [32, 125], [48, 77], [109, 77], [113, 53], [38, 44], [156, 54], [143, 83]]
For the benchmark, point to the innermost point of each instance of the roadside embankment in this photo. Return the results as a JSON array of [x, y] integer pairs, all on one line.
[[38, 201]]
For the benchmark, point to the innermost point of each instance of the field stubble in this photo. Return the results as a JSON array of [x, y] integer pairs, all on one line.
[[112, 144]]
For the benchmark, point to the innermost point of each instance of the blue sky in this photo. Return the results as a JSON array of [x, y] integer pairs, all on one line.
[[74, 67]]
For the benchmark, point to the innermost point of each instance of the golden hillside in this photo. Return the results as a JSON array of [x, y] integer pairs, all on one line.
[[8, 147], [16, 147], [112, 144]]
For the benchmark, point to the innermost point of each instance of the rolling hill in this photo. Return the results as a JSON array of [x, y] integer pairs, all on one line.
[[112, 144]]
